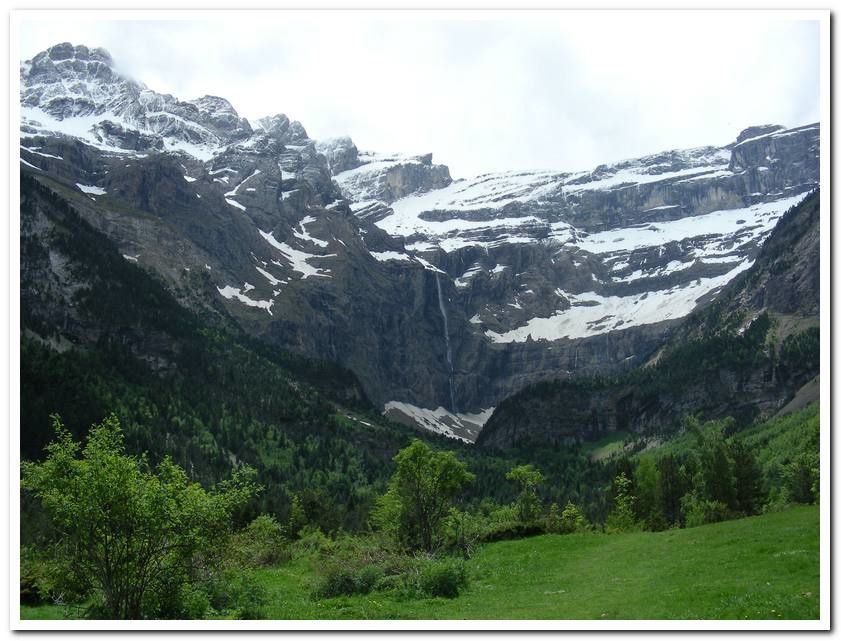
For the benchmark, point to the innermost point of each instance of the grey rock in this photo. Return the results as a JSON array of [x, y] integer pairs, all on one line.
[[341, 153]]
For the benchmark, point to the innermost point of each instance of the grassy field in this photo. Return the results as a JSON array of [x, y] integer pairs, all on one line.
[[764, 567]]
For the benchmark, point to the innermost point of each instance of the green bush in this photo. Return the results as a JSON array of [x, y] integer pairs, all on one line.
[[419, 496], [132, 535], [527, 478], [341, 579], [503, 522], [236, 594], [443, 577], [571, 520], [621, 518], [801, 477], [35, 583], [311, 540], [262, 543], [700, 511], [463, 531], [357, 565]]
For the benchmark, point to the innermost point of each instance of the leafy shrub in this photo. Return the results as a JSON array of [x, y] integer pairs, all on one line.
[[34, 577], [621, 517], [419, 495], [503, 522], [527, 478], [801, 477], [700, 511], [132, 535], [443, 577], [778, 500], [357, 565], [571, 520], [463, 531], [343, 580], [262, 543], [193, 603], [297, 517], [237, 594], [311, 540]]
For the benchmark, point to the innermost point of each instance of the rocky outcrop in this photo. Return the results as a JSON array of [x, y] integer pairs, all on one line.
[[389, 177], [341, 154]]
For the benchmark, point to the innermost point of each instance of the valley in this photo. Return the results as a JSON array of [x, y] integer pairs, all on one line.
[[286, 378]]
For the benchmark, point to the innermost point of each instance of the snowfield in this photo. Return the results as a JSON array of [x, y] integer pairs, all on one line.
[[464, 427], [591, 314]]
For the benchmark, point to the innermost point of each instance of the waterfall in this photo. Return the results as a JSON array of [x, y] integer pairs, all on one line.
[[453, 408]]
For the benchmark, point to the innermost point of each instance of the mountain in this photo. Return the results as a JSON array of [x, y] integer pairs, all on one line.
[[102, 335], [746, 355], [442, 296]]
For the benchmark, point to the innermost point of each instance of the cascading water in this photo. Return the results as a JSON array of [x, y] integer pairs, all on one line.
[[453, 407]]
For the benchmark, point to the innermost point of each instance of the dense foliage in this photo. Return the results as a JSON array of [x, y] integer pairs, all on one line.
[[420, 494], [136, 541], [714, 472]]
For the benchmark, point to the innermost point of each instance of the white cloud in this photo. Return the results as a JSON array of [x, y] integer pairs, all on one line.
[[562, 91]]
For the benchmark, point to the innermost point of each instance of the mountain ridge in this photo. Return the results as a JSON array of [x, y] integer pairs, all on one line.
[[520, 276]]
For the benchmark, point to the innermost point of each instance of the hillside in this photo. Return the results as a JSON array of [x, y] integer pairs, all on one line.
[[103, 335]]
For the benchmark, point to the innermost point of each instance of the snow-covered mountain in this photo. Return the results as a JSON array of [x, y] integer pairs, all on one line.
[[654, 235], [443, 296]]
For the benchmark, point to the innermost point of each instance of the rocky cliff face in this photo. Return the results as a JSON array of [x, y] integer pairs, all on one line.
[[572, 274], [385, 178], [744, 356], [443, 296]]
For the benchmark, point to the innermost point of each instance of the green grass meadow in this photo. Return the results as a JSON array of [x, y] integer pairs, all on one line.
[[764, 567]]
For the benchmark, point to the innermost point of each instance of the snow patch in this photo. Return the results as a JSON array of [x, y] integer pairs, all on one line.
[[272, 280], [234, 203], [296, 258], [91, 189], [305, 235], [391, 255], [34, 150], [427, 265], [752, 221], [234, 293], [466, 277]]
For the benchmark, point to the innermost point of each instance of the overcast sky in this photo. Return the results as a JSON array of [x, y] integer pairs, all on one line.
[[558, 90]]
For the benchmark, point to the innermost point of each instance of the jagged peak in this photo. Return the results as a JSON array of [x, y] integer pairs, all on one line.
[[276, 123], [68, 51], [282, 129], [757, 130], [67, 59], [214, 103]]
